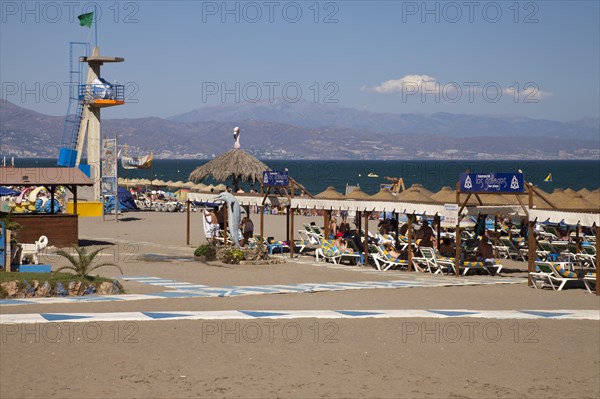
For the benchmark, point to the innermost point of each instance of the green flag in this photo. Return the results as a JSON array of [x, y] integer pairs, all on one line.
[[86, 19]]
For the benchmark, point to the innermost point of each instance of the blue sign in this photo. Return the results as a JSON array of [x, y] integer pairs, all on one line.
[[276, 179], [492, 182]]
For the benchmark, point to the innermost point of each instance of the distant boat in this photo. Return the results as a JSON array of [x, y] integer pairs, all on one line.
[[548, 178], [130, 162], [372, 175]]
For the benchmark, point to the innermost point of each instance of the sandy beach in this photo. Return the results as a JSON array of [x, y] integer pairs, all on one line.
[[402, 357]]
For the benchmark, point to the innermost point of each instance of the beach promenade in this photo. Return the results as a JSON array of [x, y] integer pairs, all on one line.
[[293, 330]]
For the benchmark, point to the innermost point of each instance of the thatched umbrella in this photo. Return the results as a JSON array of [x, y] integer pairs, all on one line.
[[584, 191], [594, 197], [236, 165], [357, 193], [330, 193], [416, 193], [384, 195], [421, 189], [570, 191], [200, 187], [575, 202], [158, 183], [446, 195], [189, 184], [559, 196]]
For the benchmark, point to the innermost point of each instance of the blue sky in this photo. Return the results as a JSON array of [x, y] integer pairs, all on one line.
[[533, 58]]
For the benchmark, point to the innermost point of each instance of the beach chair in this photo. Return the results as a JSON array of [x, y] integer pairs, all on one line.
[[31, 251], [589, 280], [554, 275], [486, 265], [514, 252], [384, 260], [546, 251], [436, 265], [328, 251]]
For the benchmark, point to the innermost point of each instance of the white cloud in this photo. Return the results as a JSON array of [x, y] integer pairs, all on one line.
[[426, 85], [531, 93], [409, 81]]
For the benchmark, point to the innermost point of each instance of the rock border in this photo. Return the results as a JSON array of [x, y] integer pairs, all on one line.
[[17, 289]]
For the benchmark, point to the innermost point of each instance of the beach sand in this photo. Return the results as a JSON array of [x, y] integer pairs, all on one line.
[[296, 358]]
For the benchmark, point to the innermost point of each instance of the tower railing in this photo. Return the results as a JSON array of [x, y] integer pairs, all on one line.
[[102, 94]]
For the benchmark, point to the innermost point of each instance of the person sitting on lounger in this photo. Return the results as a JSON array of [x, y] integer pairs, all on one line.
[[447, 249], [341, 244], [485, 250], [387, 245], [426, 242]]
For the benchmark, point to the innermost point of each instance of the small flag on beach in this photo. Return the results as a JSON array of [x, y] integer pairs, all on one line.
[[548, 178], [86, 19]]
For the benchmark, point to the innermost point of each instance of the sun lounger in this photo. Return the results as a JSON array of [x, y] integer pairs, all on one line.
[[435, 264], [486, 265], [553, 274], [385, 261], [589, 280]]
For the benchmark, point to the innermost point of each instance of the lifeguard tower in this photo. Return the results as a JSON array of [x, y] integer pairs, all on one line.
[[96, 93]]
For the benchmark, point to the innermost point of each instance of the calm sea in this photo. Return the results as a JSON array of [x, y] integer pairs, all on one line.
[[316, 176]]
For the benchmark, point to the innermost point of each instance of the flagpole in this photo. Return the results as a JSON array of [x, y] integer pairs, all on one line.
[[95, 26]]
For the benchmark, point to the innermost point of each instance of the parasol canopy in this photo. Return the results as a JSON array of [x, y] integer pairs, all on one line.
[[236, 164]]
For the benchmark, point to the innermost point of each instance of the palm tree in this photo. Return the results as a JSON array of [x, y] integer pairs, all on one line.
[[82, 264]]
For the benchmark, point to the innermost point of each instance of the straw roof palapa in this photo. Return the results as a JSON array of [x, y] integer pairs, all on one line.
[[423, 190], [357, 194], [236, 165], [446, 196], [558, 196], [416, 193], [584, 192], [201, 187], [575, 202], [593, 197], [330, 193], [384, 195]]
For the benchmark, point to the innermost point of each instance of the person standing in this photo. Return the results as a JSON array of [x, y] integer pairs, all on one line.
[[247, 229]]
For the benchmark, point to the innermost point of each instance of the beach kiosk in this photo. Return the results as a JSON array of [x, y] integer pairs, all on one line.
[[62, 229]]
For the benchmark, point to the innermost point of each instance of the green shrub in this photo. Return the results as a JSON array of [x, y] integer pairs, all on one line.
[[231, 255], [207, 250]]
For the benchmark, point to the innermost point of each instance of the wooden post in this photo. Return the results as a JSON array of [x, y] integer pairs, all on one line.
[[291, 231], [438, 223], [287, 225], [75, 199], [495, 235], [531, 254], [261, 209], [457, 259], [597, 260], [410, 235], [366, 242], [457, 231], [187, 211], [397, 216], [326, 224]]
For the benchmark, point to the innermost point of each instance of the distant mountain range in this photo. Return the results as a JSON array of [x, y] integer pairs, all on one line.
[[282, 130]]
